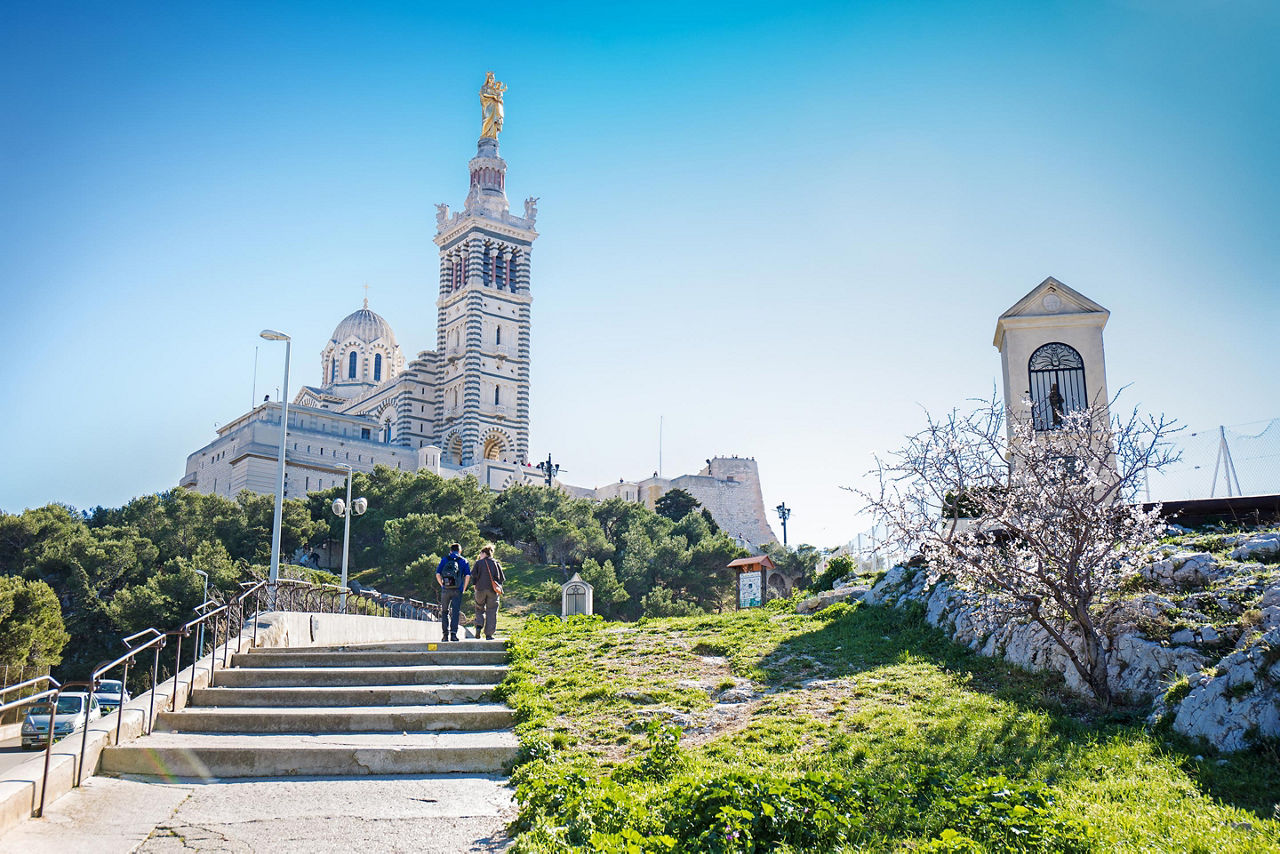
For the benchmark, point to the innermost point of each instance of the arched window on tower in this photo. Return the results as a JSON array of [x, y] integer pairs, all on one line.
[[497, 395], [1057, 385], [497, 336], [351, 365], [377, 368]]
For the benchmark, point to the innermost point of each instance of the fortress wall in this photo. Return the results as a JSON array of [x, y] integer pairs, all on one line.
[[729, 487]]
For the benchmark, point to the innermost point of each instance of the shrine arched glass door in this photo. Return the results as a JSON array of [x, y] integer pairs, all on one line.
[[1057, 385]]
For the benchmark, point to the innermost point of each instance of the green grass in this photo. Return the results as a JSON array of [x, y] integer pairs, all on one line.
[[869, 717]]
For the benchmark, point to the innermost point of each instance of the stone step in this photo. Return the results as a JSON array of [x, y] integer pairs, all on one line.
[[282, 677], [394, 719], [172, 754], [362, 695], [368, 658], [469, 645]]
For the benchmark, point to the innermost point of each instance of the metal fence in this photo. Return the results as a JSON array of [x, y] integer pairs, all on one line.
[[1221, 462]]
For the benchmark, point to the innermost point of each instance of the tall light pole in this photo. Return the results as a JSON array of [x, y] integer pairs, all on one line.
[[274, 576], [346, 510], [784, 513], [549, 469]]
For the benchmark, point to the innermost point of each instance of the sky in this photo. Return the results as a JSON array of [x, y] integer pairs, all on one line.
[[784, 230]]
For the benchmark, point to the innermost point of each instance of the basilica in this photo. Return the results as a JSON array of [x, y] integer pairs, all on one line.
[[459, 409]]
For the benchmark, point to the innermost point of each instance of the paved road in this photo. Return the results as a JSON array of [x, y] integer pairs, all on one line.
[[12, 754], [426, 814]]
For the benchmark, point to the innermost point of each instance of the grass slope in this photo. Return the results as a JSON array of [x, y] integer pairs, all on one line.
[[868, 730]]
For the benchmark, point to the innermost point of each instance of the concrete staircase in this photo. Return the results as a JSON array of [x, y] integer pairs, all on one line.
[[388, 708]]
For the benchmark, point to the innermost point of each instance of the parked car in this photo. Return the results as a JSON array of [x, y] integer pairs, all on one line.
[[111, 695], [69, 717]]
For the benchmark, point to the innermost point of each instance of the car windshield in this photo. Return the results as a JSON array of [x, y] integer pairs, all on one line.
[[70, 705], [109, 686]]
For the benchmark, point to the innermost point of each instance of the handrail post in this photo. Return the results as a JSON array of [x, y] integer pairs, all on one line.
[[48, 748], [84, 735], [177, 668], [124, 689], [155, 677]]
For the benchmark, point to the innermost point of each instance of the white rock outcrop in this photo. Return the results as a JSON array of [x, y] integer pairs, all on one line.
[[1238, 701]]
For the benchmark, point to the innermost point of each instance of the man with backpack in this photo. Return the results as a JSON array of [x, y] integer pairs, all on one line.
[[453, 574], [487, 583]]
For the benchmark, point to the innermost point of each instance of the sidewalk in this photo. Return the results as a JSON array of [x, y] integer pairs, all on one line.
[[435, 813]]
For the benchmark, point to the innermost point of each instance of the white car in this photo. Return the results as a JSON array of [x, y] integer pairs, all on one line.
[[68, 718], [111, 695]]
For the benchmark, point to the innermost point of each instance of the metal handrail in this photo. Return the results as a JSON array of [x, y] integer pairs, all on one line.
[[297, 596], [55, 692]]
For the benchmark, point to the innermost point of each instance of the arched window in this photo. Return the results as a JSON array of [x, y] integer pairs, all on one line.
[[497, 395], [377, 368], [1057, 385], [351, 365], [334, 372], [497, 336]]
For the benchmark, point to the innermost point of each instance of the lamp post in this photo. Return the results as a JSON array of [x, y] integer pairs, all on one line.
[[549, 469], [784, 513], [346, 509], [274, 576]]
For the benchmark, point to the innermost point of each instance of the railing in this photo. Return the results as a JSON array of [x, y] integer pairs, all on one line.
[[50, 697], [225, 620]]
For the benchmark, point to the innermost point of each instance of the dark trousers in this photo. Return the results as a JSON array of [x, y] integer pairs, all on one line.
[[486, 612], [450, 611]]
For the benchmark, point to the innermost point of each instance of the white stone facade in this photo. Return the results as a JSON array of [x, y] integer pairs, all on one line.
[[1042, 338], [461, 409]]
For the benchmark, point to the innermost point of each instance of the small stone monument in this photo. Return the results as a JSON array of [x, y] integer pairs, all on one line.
[[575, 597]]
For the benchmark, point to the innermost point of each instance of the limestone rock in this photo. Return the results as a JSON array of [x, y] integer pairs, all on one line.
[[1239, 699], [1257, 547], [812, 605], [737, 695], [1185, 570]]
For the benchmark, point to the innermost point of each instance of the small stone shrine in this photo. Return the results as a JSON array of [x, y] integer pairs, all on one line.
[[576, 598], [1051, 354]]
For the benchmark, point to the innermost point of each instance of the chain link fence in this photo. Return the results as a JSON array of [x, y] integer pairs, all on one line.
[[1221, 462]]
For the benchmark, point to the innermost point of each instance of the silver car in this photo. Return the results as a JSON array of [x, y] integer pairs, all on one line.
[[69, 717], [111, 695]]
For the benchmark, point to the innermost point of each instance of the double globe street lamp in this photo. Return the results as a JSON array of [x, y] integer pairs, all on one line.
[[345, 510]]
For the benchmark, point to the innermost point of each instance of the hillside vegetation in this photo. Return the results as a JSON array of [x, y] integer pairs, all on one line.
[[110, 572], [859, 728]]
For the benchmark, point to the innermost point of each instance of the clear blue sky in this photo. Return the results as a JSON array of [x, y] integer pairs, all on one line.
[[783, 227]]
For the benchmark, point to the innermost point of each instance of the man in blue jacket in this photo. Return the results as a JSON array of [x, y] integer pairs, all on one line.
[[453, 575]]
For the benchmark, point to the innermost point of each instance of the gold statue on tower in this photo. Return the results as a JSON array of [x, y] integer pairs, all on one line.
[[491, 106]]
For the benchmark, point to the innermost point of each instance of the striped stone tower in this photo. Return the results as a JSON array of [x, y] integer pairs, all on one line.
[[482, 394]]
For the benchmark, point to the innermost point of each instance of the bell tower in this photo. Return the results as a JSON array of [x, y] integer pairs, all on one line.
[[482, 394]]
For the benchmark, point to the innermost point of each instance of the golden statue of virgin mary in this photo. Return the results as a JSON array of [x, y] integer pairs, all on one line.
[[491, 106]]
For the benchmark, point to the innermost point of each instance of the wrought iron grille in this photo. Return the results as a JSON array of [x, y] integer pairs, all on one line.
[[1057, 385]]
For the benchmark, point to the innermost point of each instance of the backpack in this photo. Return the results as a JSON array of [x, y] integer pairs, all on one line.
[[451, 572]]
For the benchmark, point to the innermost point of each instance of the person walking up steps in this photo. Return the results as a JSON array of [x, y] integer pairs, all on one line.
[[453, 574], [487, 581]]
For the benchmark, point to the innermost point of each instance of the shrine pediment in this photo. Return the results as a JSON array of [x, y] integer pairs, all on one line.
[[1050, 299]]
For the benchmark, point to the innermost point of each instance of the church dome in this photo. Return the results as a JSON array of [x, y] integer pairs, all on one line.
[[364, 325]]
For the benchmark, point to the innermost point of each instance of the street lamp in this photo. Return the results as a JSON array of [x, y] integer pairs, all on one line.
[[340, 508], [274, 576], [549, 469], [784, 513]]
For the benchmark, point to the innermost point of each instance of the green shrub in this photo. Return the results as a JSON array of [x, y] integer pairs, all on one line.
[[836, 611], [662, 759]]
